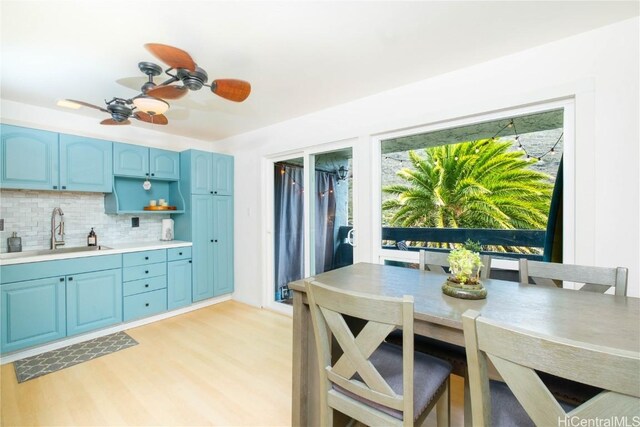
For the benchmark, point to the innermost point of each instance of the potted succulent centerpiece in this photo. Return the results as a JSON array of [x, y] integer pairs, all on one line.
[[464, 282]]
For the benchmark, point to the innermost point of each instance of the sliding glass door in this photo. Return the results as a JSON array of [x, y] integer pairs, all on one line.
[[312, 218]]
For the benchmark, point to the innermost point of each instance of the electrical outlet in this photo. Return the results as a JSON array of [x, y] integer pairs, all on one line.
[[1, 224], [135, 222]]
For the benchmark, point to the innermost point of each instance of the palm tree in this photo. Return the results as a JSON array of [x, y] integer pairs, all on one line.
[[477, 184]]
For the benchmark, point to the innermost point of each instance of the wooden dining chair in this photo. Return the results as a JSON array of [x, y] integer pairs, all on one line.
[[519, 354], [374, 382], [594, 279]]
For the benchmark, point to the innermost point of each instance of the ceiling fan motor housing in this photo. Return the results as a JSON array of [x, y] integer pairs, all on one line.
[[119, 112], [194, 80]]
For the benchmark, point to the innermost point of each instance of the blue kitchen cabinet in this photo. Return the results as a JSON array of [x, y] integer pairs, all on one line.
[[28, 158], [136, 161], [94, 300], [223, 245], [210, 173], [208, 220], [33, 312], [179, 283], [86, 164], [202, 249], [222, 183], [130, 160], [164, 164]]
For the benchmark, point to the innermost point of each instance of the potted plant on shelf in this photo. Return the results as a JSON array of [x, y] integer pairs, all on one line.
[[464, 282]]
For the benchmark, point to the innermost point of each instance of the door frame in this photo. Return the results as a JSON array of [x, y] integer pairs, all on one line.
[[308, 155]]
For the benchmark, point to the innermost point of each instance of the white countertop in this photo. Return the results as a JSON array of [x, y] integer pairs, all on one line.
[[119, 248]]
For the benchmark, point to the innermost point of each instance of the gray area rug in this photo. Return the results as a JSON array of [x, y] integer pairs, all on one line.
[[51, 361]]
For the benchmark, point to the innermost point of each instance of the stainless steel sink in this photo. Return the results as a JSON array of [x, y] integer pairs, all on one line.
[[25, 254]]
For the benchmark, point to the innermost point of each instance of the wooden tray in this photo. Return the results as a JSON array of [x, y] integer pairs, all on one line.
[[159, 208]]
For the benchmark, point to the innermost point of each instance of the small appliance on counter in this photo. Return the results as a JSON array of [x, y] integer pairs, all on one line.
[[167, 229], [14, 243]]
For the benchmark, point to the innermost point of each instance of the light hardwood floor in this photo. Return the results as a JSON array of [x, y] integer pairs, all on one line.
[[227, 364]]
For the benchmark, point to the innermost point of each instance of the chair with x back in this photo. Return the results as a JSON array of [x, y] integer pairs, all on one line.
[[372, 381], [595, 279], [519, 355]]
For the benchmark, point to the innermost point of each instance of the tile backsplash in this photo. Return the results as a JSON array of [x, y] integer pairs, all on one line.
[[29, 214]]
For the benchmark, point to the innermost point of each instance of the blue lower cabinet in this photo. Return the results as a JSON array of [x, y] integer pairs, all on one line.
[[178, 284], [145, 304], [94, 300], [33, 312]]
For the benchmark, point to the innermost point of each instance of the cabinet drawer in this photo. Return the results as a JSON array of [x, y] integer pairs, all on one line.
[[146, 304], [143, 271], [144, 285], [175, 254], [146, 257]]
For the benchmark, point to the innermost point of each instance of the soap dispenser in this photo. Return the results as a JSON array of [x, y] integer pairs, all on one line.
[[92, 238], [14, 243]]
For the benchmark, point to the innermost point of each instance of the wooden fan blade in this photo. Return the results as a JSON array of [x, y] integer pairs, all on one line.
[[86, 104], [231, 89], [156, 119], [168, 92], [113, 122], [172, 56]]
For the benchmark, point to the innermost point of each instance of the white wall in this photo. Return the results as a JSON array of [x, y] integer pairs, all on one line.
[[599, 69]]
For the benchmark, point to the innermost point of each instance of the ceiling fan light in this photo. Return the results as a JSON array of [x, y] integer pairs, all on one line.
[[151, 105]]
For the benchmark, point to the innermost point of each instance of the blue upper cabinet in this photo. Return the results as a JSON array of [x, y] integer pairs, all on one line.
[[85, 164], [222, 184], [28, 158], [130, 160], [164, 164], [207, 173], [137, 161]]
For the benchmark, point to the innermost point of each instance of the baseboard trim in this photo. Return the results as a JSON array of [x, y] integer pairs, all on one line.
[[21, 354]]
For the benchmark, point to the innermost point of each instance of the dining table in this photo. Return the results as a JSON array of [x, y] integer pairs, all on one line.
[[588, 317]]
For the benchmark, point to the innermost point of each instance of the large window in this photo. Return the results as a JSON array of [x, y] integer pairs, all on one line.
[[496, 183]]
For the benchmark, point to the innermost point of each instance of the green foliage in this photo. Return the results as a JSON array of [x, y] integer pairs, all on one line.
[[464, 265], [472, 245], [477, 184]]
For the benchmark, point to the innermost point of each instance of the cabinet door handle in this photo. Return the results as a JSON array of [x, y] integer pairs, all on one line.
[[211, 192], [70, 278], [55, 187], [146, 258], [216, 240], [146, 285], [179, 253], [189, 261], [64, 187], [146, 272], [146, 305], [215, 192], [153, 174], [62, 279], [211, 240]]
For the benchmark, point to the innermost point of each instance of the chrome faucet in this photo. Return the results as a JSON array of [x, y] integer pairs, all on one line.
[[59, 230]]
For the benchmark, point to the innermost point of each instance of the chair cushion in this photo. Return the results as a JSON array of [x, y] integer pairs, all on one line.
[[506, 411], [429, 376], [454, 354]]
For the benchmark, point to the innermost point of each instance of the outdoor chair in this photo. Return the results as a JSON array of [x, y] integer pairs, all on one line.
[[518, 355], [374, 382]]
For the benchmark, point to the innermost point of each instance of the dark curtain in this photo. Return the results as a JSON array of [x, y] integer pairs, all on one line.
[[325, 221], [289, 225]]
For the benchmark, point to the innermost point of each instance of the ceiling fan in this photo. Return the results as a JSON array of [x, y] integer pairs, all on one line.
[[149, 105], [121, 110], [190, 75]]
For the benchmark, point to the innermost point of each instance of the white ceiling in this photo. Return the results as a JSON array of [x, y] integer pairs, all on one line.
[[300, 57]]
